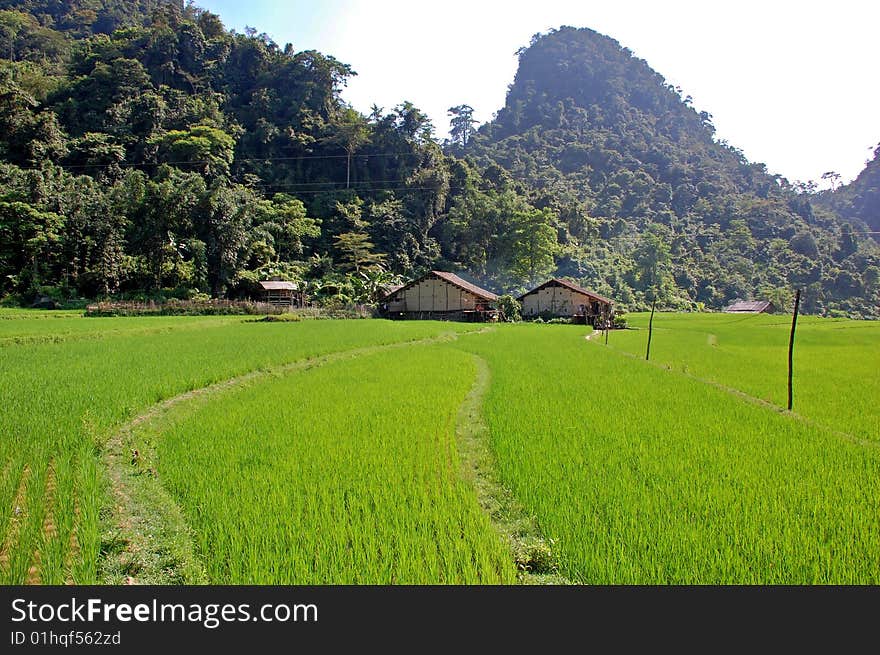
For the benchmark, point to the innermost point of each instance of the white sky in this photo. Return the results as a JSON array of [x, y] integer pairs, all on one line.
[[792, 84]]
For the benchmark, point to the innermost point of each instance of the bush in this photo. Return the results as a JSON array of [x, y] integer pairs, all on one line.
[[510, 308], [276, 318], [619, 321], [182, 308], [535, 555]]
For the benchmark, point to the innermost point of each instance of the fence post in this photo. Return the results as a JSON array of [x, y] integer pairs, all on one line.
[[650, 331], [794, 315]]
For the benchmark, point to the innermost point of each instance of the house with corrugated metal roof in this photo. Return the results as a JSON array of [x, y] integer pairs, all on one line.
[[560, 298], [750, 307], [441, 295], [282, 293]]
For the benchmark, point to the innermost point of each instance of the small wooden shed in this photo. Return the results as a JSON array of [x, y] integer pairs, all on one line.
[[750, 307], [441, 295], [281, 293], [561, 298]]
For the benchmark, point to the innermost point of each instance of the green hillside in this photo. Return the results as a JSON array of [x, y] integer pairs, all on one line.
[[147, 151], [649, 200]]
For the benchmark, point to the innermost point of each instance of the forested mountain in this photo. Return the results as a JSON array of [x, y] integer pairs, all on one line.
[[859, 201], [648, 199], [145, 149]]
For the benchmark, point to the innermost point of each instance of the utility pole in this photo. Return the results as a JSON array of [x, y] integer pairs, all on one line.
[[650, 330], [794, 315]]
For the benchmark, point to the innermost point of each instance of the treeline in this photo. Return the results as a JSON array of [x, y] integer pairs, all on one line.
[[172, 156], [148, 151]]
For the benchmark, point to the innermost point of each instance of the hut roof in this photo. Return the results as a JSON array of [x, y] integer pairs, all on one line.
[[276, 285], [568, 285], [454, 280], [748, 306]]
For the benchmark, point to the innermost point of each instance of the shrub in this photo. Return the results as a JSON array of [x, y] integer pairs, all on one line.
[[276, 318], [535, 555], [509, 306], [181, 308]]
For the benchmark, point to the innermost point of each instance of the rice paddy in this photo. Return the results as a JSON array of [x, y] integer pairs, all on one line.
[[325, 452], [835, 361], [62, 398], [645, 477], [361, 486]]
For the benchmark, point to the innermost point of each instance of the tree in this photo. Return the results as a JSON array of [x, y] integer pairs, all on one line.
[[226, 213], [285, 219], [162, 213], [803, 243], [510, 308], [833, 179], [351, 131], [848, 243], [29, 245], [370, 285], [652, 259], [356, 252], [201, 147], [461, 125], [413, 123], [534, 246]]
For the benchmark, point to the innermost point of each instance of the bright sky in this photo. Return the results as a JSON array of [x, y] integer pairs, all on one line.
[[792, 84]]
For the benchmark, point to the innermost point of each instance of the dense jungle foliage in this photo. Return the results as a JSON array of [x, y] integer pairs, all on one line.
[[145, 150]]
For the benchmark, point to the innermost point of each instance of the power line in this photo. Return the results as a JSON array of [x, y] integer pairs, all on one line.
[[235, 161], [342, 188], [352, 185]]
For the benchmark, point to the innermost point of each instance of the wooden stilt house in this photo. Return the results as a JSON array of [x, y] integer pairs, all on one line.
[[561, 298], [750, 307], [281, 293], [441, 295]]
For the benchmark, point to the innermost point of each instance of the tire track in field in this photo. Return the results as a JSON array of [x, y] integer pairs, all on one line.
[[143, 512], [531, 552], [742, 395]]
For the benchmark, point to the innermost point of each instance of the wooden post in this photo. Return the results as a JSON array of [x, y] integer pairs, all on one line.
[[794, 315], [650, 330]]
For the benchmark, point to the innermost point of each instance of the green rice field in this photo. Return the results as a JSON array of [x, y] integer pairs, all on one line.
[[212, 449], [836, 361]]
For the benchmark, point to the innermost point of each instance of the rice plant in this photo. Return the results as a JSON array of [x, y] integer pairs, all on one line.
[[63, 396], [345, 474], [645, 477]]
